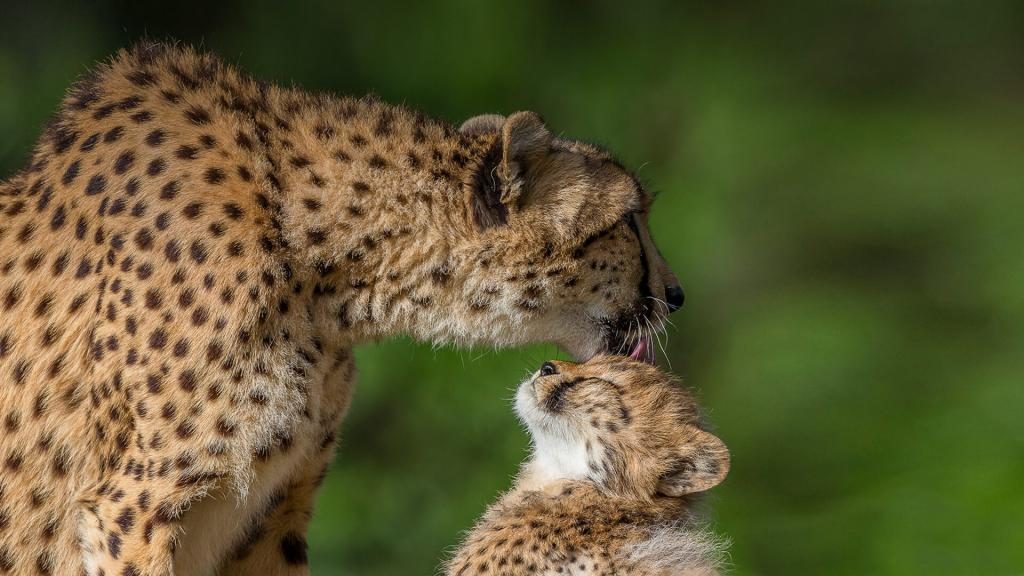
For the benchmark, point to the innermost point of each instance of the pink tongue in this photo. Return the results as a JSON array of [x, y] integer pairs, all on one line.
[[643, 351]]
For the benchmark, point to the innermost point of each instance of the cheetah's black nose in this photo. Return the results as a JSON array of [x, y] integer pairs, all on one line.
[[674, 297]]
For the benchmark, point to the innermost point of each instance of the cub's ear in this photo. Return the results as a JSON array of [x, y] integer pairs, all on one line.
[[525, 142], [701, 464], [482, 124]]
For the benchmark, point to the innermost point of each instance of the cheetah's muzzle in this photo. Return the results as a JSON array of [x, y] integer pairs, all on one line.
[[632, 335]]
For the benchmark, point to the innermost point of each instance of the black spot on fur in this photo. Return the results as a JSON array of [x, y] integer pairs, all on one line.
[[233, 211], [156, 138], [71, 173], [89, 143], [197, 116], [97, 184], [113, 135], [214, 176], [124, 162], [59, 216], [186, 152], [170, 190], [293, 549], [156, 167], [63, 139], [316, 236], [141, 78]]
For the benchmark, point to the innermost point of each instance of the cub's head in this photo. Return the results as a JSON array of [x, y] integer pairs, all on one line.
[[559, 249], [622, 424]]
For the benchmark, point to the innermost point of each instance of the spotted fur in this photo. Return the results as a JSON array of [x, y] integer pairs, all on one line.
[[619, 453], [188, 260]]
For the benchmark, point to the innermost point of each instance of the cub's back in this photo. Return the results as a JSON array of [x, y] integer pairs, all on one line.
[[580, 531]]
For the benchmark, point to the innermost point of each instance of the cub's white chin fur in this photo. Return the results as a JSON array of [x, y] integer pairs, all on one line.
[[559, 450], [526, 404]]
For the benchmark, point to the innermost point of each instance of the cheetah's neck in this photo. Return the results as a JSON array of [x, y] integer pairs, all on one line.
[[373, 199]]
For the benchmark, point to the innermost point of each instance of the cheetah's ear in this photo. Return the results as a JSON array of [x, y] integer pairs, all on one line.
[[482, 124], [499, 182], [525, 142], [701, 464]]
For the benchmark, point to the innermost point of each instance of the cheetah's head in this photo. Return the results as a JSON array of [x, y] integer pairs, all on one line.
[[622, 424], [560, 250]]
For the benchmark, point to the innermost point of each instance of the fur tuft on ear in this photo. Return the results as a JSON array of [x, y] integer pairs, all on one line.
[[482, 124], [525, 141], [701, 464]]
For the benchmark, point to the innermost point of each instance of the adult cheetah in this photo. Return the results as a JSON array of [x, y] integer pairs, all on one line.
[[188, 260]]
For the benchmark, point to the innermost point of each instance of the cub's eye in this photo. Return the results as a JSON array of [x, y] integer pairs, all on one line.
[[547, 369]]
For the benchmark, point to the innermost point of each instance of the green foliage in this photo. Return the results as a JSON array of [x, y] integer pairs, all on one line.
[[842, 198]]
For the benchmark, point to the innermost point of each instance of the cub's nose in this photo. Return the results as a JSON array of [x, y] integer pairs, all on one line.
[[674, 297]]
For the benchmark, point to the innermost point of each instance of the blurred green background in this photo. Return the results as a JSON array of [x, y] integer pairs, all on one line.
[[842, 194]]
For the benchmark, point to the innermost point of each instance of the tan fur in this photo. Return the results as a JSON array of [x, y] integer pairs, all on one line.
[[619, 450], [190, 257]]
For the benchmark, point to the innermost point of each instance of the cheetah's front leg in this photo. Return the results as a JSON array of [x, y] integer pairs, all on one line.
[[128, 530], [276, 542]]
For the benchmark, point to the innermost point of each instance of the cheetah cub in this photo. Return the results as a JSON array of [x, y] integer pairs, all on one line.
[[619, 455]]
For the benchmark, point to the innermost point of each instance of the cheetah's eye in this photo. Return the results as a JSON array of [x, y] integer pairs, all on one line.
[[547, 369]]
